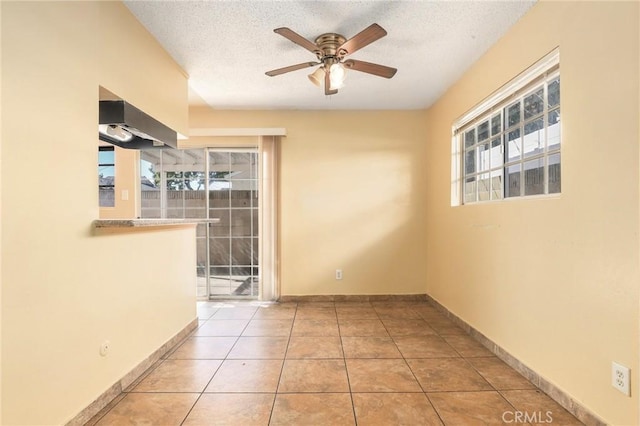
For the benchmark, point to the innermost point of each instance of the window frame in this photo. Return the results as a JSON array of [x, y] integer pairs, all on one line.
[[531, 81], [112, 186]]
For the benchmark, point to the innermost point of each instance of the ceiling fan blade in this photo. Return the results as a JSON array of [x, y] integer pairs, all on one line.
[[369, 68], [365, 37], [290, 68], [327, 83], [297, 39]]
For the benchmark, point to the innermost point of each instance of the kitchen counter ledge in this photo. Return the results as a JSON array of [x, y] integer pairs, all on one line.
[[147, 223]]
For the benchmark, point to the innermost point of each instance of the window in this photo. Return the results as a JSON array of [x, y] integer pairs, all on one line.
[[509, 146], [106, 176]]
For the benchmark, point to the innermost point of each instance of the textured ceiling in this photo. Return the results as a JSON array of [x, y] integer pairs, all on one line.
[[226, 47]]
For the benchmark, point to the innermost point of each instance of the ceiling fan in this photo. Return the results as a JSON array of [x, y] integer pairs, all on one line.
[[331, 49]]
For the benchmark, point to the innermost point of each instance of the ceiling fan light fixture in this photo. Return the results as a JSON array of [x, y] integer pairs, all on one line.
[[337, 75], [317, 77]]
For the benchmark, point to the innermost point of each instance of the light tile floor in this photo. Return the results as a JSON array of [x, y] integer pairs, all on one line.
[[378, 363]]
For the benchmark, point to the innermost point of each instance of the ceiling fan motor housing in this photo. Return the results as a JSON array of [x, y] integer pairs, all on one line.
[[329, 44]]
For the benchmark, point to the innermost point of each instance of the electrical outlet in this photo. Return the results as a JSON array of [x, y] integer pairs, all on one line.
[[105, 347], [338, 274], [620, 377]]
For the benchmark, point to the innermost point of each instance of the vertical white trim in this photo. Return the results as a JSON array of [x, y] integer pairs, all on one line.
[[456, 173], [268, 218], [207, 233], [163, 188]]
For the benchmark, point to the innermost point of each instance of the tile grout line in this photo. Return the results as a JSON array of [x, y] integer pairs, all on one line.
[[571, 405], [435, 409], [414, 375], [464, 359], [346, 370], [471, 365], [219, 366], [284, 358], [404, 322], [500, 392], [107, 409]]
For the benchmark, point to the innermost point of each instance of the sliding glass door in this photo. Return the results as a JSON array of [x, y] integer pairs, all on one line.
[[233, 242], [210, 184]]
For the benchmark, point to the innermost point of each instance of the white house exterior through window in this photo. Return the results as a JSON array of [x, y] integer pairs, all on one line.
[[509, 145]]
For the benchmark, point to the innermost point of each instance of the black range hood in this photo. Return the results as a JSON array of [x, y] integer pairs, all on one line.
[[124, 125]]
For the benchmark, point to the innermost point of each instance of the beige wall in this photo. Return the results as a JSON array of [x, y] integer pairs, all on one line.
[[553, 281], [65, 290], [352, 197], [1, 136]]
